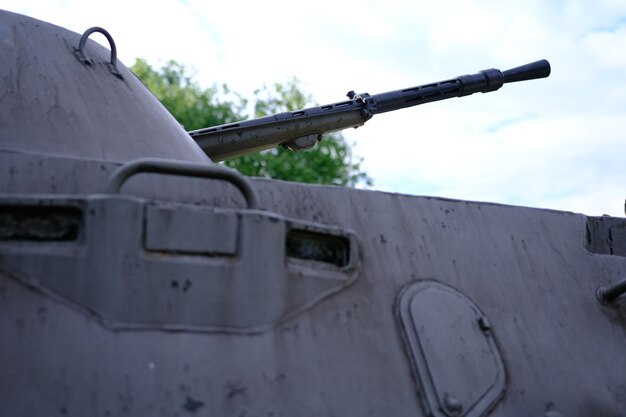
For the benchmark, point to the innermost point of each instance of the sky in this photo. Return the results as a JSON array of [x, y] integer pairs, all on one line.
[[555, 143]]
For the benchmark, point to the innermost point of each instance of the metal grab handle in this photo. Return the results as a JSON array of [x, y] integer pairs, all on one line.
[[82, 56], [608, 295], [164, 166]]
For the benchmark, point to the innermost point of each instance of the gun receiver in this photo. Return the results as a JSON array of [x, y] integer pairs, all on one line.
[[301, 129]]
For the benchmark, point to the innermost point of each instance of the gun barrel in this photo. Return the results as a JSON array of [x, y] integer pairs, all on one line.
[[534, 70], [235, 139], [483, 81]]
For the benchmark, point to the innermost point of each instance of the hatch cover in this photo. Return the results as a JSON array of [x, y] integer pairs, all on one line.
[[452, 351]]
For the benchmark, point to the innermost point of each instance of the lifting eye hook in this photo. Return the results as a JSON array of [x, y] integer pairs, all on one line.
[[82, 57]]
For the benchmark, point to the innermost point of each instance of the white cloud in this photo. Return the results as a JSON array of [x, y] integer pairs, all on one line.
[[553, 143]]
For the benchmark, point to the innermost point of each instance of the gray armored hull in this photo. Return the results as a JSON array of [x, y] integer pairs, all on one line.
[[127, 289]]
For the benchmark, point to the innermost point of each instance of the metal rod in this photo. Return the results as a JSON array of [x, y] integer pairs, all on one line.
[[161, 166], [608, 295]]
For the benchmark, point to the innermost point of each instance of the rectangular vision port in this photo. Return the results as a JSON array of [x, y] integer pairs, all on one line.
[[319, 247]]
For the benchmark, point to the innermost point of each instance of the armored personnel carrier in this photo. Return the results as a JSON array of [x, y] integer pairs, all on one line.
[[139, 278]]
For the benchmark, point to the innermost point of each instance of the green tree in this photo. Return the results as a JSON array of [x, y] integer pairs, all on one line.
[[330, 162], [193, 106]]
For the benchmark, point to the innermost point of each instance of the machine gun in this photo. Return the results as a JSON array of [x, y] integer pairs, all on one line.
[[301, 129]]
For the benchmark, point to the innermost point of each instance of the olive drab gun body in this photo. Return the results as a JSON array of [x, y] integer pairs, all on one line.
[[301, 129], [138, 277]]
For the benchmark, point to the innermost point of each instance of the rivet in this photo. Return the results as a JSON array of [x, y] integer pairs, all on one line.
[[452, 405], [484, 324]]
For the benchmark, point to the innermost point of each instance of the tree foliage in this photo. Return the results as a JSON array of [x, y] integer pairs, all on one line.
[[193, 106], [330, 162]]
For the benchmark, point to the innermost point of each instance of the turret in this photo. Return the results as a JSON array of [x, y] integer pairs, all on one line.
[[63, 94]]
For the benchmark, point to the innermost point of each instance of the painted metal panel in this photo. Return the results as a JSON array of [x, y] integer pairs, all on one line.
[[451, 346], [192, 231]]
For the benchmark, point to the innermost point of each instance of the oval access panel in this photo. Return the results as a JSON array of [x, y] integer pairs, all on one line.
[[451, 349]]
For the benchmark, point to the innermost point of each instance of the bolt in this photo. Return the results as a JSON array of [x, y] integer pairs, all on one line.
[[452, 405], [484, 325]]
